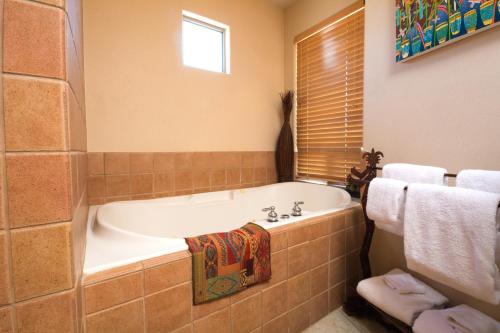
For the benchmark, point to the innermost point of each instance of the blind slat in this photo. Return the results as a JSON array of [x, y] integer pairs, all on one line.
[[330, 70]]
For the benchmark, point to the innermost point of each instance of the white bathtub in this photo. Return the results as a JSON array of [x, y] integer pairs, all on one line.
[[120, 233]]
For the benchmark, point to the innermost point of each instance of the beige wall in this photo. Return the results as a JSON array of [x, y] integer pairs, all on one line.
[[141, 98], [439, 109]]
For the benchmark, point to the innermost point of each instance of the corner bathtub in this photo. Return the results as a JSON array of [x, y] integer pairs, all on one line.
[[121, 233]]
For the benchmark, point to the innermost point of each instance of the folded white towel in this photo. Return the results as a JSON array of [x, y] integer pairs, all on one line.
[[405, 307], [404, 283], [461, 318], [412, 173], [386, 199], [432, 321], [450, 236], [465, 319], [482, 180]]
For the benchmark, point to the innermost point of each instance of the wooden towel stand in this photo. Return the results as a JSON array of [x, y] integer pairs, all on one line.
[[355, 304]]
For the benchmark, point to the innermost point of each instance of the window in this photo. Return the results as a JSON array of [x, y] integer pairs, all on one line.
[[330, 96], [205, 43]]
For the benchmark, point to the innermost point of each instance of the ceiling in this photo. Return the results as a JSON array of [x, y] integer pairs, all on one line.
[[283, 3]]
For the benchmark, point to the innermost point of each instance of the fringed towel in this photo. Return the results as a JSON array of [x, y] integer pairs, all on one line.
[[227, 262], [450, 236]]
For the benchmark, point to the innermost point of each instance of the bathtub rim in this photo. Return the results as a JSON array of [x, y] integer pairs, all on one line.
[[346, 203], [171, 248], [171, 251]]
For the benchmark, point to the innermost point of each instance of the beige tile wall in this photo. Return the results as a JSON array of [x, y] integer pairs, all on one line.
[[43, 166], [124, 176], [312, 263]]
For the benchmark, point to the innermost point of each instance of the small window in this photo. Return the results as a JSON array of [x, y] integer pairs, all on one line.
[[205, 43]]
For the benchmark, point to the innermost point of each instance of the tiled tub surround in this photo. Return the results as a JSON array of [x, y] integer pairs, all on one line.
[[43, 166], [312, 261], [125, 176]]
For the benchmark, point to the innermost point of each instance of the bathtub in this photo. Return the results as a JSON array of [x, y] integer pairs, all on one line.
[[121, 233]]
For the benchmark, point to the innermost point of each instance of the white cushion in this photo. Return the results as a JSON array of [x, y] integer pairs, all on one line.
[[405, 307]]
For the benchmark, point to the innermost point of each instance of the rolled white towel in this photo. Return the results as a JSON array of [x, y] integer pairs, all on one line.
[[412, 173], [404, 283], [465, 319], [385, 206], [482, 180]]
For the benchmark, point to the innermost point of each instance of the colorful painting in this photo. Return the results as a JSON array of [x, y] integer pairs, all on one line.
[[422, 25]]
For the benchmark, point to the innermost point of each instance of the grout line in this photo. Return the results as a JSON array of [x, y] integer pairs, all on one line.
[[41, 4], [43, 297], [93, 314], [41, 152], [39, 226], [26, 76], [169, 288], [4, 202], [143, 273], [111, 277]]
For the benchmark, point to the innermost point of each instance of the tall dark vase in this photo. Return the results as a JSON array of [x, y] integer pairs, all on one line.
[[284, 149]]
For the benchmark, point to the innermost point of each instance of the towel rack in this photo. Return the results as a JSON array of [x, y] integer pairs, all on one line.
[[448, 175], [355, 304]]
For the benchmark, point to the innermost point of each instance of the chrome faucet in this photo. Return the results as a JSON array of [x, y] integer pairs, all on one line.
[[272, 216], [297, 211]]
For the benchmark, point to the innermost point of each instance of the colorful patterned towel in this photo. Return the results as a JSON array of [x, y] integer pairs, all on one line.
[[227, 262]]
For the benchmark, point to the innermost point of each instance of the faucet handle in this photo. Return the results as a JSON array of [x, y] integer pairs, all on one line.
[[272, 216], [297, 211], [272, 208]]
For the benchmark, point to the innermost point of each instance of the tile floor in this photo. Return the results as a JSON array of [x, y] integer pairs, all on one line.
[[339, 322]]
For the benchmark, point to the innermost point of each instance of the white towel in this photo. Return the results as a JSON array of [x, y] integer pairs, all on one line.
[[465, 319], [405, 307], [461, 318], [385, 206], [412, 173], [404, 283], [450, 236], [482, 180], [432, 321]]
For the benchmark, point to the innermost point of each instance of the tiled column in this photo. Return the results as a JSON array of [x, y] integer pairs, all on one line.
[[43, 166]]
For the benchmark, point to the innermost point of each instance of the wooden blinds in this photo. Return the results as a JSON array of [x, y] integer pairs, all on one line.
[[330, 98]]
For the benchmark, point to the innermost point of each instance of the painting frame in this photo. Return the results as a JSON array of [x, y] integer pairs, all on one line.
[[426, 25]]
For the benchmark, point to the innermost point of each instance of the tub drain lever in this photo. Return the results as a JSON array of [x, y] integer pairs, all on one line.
[[297, 211], [272, 216]]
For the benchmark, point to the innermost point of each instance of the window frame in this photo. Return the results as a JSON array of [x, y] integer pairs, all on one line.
[[208, 23]]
